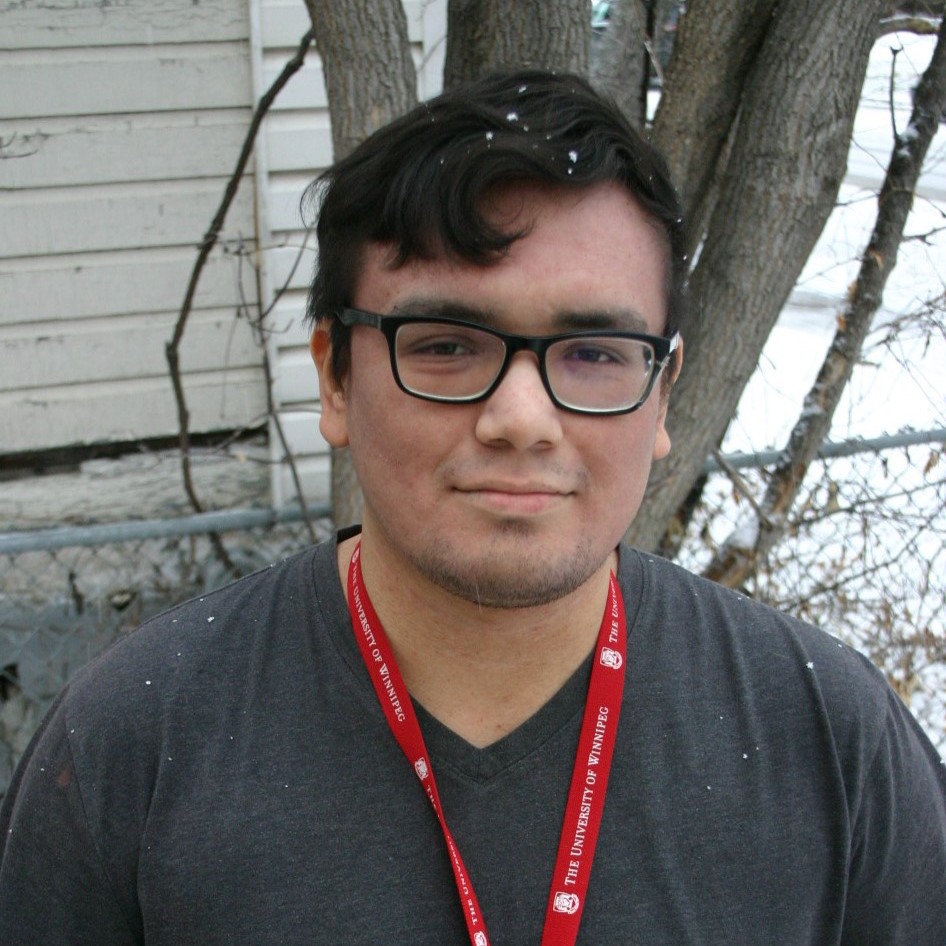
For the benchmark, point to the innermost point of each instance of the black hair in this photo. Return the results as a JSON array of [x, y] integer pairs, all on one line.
[[420, 182]]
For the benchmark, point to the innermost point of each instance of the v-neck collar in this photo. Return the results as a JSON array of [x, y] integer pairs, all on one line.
[[447, 748], [481, 764]]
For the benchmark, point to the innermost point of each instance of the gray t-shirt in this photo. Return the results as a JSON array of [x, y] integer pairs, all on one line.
[[224, 775]]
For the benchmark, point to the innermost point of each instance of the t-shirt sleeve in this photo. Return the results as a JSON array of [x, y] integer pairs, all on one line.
[[897, 879], [54, 888]]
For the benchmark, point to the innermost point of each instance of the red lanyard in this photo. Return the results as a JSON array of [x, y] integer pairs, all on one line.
[[589, 778]]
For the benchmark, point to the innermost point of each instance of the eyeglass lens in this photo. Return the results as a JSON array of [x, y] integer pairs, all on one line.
[[592, 372]]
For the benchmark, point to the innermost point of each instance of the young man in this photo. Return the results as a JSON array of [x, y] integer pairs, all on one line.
[[478, 718]]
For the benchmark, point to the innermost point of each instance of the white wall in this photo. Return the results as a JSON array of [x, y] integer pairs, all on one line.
[[120, 124]]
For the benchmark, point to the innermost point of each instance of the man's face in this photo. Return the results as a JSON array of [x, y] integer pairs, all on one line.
[[509, 502]]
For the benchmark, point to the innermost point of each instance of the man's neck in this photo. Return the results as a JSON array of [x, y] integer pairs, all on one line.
[[482, 672]]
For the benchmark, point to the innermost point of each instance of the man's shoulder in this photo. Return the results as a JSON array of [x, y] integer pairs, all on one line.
[[202, 643], [680, 591], [739, 641]]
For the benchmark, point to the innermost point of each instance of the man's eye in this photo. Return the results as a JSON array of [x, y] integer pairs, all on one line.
[[439, 347], [595, 354], [592, 355]]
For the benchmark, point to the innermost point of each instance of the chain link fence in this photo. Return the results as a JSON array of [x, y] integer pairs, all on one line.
[[66, 594], [865, 559]]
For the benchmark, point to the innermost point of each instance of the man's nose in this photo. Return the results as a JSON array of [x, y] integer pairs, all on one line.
[[520, 412]]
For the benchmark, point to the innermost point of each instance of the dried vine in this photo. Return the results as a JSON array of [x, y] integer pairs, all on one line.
[[209, 241]]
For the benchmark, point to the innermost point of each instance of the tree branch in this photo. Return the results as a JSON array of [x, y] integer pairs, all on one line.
[[879, 259], [919, 25], [258, 325], [172, 348]]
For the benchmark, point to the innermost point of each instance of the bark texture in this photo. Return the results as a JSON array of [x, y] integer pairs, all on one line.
[[717, 45], [485, 35], [784, 165], [619, 60], [370, 80], [366, 61]]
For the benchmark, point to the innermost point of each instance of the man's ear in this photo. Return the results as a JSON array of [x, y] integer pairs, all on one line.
[[333, 422], [662, 438]]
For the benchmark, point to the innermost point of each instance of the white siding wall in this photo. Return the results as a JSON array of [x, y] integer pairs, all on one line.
[[296, 145], [121, 123]]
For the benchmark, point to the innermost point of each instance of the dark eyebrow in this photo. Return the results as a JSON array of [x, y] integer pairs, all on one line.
[[447, 309], [614, 320]]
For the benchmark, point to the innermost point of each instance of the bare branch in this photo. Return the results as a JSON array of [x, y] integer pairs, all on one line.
[[257, 323], [878, 261], [172, 348], [740, 485], [921, 26]]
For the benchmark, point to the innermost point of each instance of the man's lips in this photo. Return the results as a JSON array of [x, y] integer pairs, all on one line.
[[515, 487], [523, 498]]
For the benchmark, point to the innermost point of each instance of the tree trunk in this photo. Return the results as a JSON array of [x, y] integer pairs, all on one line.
[[619, 64], [716, 47], [786, 163], [366, 60], [370, 80], [484, 35]]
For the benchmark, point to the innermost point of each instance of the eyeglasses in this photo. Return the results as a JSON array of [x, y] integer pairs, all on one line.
[[454, 361]]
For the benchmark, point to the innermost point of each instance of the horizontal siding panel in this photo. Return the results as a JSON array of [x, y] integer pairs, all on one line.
[[121, 148], [54, 24], [104, 81], [305, 90], [285, 202], [282, 264], [298, 143], [301, 428], [122, 349], [114, 284], [298, 379], [286, 323], [127, 410], [48, 222], [283, 23], [129, 116]]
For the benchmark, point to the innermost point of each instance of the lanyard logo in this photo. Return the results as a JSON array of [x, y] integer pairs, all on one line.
[[566, 903], [611, 659]]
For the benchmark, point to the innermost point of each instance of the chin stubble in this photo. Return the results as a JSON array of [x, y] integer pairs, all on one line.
[[486, 583]]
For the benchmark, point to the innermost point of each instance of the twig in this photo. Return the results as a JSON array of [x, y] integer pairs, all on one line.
[[207, 244], [742, 487], [919, 25], [891, 87], [284, 288], [258, 328]]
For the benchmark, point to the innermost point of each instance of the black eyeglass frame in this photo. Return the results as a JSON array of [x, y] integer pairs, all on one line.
[[388, 325]]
